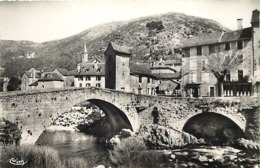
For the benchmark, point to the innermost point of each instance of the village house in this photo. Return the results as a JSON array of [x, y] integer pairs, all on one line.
[[240, 81], [121, 74], [50, 80], [30, 78], [66, 75], [90, 72], [167, 72]]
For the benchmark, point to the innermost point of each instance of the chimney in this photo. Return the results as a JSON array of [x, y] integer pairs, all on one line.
[[34, 73], [239, 24], [78, 68]]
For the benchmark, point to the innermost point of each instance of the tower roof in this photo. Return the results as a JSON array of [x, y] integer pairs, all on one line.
[[255, 16], [123, 49]]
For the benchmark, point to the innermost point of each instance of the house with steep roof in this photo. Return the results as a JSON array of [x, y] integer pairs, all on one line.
[[29, 77], [238, 81], [50, 80], [168, 76], [90, 75], [67, 76], [142, 81]]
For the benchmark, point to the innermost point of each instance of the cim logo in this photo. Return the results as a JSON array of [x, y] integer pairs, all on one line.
[[17, 162]]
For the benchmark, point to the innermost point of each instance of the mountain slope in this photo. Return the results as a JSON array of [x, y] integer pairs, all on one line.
[[152, 36]]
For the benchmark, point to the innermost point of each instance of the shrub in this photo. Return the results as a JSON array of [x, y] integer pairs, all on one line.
[[131, 152], [158, 25]]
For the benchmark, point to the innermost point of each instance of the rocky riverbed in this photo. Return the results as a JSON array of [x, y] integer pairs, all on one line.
[[77, 116], [212, 156]]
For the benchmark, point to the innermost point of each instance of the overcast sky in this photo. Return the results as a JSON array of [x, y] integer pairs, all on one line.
[[44, 21]]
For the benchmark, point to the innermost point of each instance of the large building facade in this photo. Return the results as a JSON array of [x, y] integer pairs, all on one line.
[[238, 81]]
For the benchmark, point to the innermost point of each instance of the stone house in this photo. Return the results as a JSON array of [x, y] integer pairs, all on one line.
[[167, 72], [238, 81], [66, 75], [142, 81], [50, 80], [29, 77]]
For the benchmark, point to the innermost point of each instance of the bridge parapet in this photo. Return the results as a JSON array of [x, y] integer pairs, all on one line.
[[40, 107]]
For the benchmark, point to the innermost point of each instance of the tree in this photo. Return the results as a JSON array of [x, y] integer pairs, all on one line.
[[14, 84], [220, 62]]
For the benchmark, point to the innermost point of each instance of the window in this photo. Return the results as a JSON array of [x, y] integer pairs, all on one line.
[[98, 78], [239, 44], [240, 75], [211, 49], [80, 85], [80, 78], [140, 79], [227, 46], [199, 50], [123, 74], [43, 86], [87, 84], [228, 76], [87, 78], [139, 90], [203, 65], [122, 88], [193, 64], [240, 58], [98, 85], [186, 52], [193, 78], [149, 80]]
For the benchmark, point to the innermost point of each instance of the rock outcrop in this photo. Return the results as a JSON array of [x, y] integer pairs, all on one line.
[[159, 137]]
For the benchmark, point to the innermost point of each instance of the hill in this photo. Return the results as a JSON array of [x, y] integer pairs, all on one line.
[[152, 36]]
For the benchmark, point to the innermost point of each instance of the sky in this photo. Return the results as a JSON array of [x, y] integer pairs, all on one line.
[[45, 21]]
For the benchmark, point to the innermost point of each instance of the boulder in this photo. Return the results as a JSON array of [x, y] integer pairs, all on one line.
[[126, 133]]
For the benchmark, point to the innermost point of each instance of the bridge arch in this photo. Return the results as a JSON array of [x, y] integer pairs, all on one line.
[[36, 110], [213, 127]]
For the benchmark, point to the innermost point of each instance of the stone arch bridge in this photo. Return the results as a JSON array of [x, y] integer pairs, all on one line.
[[33, 111]]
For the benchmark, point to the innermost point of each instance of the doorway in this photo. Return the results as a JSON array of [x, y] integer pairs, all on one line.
[[211, 91]]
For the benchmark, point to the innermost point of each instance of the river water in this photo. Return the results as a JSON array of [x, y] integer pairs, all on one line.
[[77, 144], [72, 144]]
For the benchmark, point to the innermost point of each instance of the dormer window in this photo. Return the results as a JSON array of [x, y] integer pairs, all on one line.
[[87, 78], [140, 79], [240, 45], [227, 46], [98, 78], [199, 50]]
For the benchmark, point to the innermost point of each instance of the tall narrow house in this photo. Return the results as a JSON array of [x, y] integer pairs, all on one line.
[[256, 52], [117, 71]]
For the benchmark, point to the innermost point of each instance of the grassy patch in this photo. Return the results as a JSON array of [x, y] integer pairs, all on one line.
[[40, 157], [131, 152]]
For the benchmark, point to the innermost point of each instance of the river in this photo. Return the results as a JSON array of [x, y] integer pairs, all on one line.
[[77, 144], [72, 144]]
